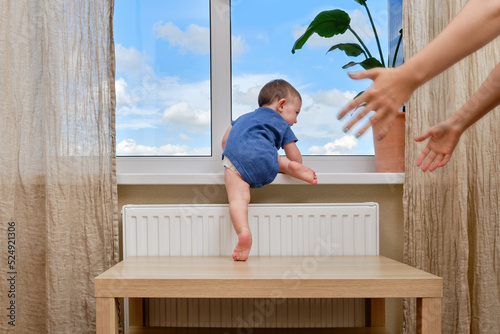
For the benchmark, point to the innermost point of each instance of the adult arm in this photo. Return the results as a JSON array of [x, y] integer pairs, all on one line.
[[444, 136], [474, 26]]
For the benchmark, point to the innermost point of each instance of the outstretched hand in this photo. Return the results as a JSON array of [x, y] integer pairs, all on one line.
[[390, 90], [443, 139]]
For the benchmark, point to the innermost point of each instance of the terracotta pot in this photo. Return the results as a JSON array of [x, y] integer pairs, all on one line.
[[390, 151]]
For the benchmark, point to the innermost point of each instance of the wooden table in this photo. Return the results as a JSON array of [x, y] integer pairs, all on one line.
[[374, 277]]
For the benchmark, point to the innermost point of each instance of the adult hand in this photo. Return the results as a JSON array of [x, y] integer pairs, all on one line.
[[390, 90], [443, 140]]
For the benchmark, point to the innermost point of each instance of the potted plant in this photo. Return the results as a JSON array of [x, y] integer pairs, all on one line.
[[389, 152]]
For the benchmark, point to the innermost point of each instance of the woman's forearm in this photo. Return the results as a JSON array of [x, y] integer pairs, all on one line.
[[483, 101], [474, 26]]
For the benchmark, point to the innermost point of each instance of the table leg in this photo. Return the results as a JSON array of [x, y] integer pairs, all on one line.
[[376, 312], [106, 315], [136, 312], [428, 315]]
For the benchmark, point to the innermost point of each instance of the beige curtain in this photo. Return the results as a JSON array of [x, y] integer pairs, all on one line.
[[452, 225], [58, 213]]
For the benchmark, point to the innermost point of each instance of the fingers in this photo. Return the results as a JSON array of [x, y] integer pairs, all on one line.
[[426, 159], [355, 103], [363, 129], [385, 124], [431, 156], [385, 117], [424, 136], [440, 161], [422, 156], [445, 160], [425, 154], [368, 74], [357, 118], [358, 101], [430, 160]]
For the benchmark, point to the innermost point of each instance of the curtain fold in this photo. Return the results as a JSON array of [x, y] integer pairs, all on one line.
[[451, 215], [57, 165]]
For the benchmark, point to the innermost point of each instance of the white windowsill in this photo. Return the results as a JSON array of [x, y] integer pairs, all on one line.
[[218, 178], [199, 171]]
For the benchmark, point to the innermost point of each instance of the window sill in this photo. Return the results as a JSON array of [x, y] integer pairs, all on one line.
[[281, 179]]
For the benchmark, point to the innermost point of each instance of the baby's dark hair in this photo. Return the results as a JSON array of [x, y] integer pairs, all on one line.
[[276, 90]]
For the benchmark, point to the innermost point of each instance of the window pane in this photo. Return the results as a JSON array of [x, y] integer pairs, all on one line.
[[162, 77], [396, 50], [263, 34]]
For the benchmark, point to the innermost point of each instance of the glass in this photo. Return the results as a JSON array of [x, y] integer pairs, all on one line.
[[263, 34], [162, 77]]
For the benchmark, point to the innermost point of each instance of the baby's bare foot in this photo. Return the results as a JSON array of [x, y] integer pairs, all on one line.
[[242, 249], [302, 172]]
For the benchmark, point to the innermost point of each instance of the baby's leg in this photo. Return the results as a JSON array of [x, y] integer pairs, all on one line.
[[297, 170], [238, 194]]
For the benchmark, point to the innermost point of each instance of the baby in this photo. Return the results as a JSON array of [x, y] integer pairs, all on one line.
[[251, 157]]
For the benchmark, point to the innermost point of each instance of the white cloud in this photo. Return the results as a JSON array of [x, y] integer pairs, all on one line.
[[201, 151], [246, 90], [195, 39], [140, 106], [359, 23], [185, 116], [362, 26], [130, 147], [135, 124], [334, 97], [123, 97], [132, 62], [170, 91], [238, 46], [185, 137], [343, 145], [318, 117]]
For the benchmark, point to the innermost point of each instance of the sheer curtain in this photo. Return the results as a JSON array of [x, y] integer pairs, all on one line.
[[452, 225], [58, 212]]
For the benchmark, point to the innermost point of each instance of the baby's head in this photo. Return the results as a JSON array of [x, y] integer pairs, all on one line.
[[276, 90], [283, 98]]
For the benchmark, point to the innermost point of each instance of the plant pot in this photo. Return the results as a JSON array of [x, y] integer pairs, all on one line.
[[390, 151]]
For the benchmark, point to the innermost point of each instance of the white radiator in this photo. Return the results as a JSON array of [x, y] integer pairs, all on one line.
[[277, 230]]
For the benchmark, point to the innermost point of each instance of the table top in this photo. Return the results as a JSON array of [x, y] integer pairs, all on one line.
[[266, 277]]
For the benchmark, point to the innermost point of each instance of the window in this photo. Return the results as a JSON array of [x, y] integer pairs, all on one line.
[[395, 28], [178, 86], [261, 51], [162, 77]]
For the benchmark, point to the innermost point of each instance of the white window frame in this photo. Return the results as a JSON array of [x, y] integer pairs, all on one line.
[[209, 170]]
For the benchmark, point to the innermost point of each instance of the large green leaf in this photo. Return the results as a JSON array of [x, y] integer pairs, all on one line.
[[361, 2], [366, 64], [326, 24], [350, 49]]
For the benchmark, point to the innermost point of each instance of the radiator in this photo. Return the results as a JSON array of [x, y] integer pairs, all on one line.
[[277, 230]]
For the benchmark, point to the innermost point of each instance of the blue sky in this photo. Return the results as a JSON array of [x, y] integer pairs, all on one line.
[[163, 69]]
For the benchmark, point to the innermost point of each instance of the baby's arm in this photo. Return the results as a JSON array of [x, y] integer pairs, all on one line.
[[292, 164], [224, 139], [292, 152]]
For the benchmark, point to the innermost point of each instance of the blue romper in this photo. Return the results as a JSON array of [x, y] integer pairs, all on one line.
[[253, 143]]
